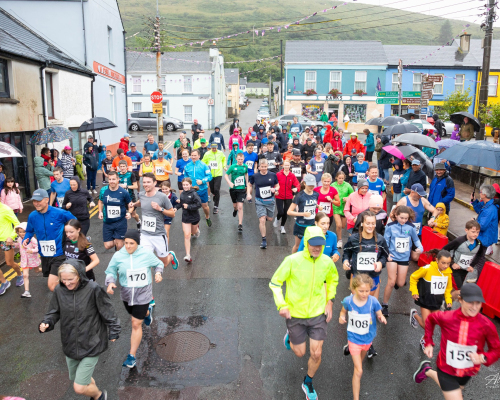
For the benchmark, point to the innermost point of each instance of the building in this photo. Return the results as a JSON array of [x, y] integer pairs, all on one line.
[[40, 86], [90, 32], [243, 87], [257, 89], [345, 79], [276, 97], [233, 91], [193, 85]]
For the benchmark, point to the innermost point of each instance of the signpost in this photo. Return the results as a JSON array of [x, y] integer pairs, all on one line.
[[387, 100], [423, 110], [387, 94], [433, 78], [400, 84], [411, 100], [424, 103], [157, 108], [411, 94], [426, 94], [427, 85], [156, 97]]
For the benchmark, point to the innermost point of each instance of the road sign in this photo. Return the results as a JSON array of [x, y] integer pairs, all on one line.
[[411, 94], [386, 100], [411, 100], [211, 102], [157, 108], [156, 97], [433, 78], [427, 85], [427, 94], [387, 94], [423, 117], [424, 103], [423, 110]]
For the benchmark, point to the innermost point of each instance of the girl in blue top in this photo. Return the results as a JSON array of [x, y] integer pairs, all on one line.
[[363, 311], [179, 168], [360, 168], [323, 221]]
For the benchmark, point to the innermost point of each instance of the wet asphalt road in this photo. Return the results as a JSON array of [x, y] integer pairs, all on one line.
[[223, 295]]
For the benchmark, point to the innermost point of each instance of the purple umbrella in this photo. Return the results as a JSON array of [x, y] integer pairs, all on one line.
[[394, 151], [447, 143]]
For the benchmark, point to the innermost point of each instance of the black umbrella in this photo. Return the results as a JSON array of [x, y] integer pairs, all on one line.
[[387, 121], [96, 124], [410, 152], [458, 118], [409, 116], [417, 139], [375, 121], [400, 129]]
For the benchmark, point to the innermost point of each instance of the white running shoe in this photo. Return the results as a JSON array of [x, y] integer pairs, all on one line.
[[276, 223], [198, 233], [340, 244], [283, 230], [94, 191], [413, 320]]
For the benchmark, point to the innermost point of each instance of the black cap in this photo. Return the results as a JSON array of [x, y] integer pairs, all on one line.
[[134, 235], [296, 152], [471, 292]]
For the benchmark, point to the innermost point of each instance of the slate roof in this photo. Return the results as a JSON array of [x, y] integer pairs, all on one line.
[[243, 81], [188, 61], [477, 51], [231, 75], [335, 52], [257, 85], [17, 39]]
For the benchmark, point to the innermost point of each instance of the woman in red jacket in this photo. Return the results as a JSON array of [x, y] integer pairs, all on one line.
[[328, 135], [288, 186], [337, 142], [464, 333]]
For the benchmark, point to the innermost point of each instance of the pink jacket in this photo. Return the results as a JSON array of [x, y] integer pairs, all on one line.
[[29, 255], [13, 200], [236, 138], [355, 205]]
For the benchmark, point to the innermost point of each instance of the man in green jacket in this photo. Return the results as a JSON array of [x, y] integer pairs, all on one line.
[[216, 161], [307, 307]]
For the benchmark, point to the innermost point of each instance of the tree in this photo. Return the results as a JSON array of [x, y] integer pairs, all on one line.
[[445, 33], [490, 115], [454, 102]]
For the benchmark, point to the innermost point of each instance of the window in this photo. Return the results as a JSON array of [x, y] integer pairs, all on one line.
[[417, 82], [360, 81], [112, 102], [49, 91], [310, 82], [229, 103], [459, 83], [165, 107], [137, 106], [163, 85], [136, 84], [356, 112], [4, 79], [110, 45], [188, 113], [438, 87], [229, 88], [336, 80], [492, 85], [188, 84], [395, 82]]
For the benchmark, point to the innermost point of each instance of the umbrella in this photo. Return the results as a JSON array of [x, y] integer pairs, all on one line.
[[447, 143], [400, 129], [375, 121], [417, 139], [7, 150], [387, 121], [409, 116], [96, 124], [458, 118], [50, 135], [410, 152], [394, 151], [478, 153], [430, 120]]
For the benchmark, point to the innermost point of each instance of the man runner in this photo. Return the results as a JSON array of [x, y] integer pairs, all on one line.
[[59, 187], [238, 186], [216, 160], [129, 181]]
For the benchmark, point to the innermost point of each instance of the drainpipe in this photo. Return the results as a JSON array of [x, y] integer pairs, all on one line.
[[42, 83], [211, 109], [92, 100], [125, 73], [84, 36]]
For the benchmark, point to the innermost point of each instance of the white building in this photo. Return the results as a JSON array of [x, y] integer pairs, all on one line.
[[193, 85], [91, 32], [243, 87]]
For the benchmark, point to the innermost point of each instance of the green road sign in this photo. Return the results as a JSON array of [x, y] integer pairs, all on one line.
[[387, 94], [387, 100], [412, 94]]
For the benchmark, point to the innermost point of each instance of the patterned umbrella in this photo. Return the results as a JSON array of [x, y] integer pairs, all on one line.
[[50, 135], [447, 143], [7, 150]]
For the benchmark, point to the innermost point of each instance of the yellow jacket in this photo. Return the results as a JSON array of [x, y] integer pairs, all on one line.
[[425, 274], [442, 221], [8, 218]]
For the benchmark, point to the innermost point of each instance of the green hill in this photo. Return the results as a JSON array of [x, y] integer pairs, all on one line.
[[197, 20]]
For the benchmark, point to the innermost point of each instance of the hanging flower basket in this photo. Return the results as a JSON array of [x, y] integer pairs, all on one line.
[[334, 92], [360, 92], [310, 92]]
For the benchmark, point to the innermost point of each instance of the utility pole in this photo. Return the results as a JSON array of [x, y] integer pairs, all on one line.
[[485, 70], [159, 127], [400, 86], [281, 81]]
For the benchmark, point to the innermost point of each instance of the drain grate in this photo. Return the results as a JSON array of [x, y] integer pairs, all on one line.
[[183, 346]]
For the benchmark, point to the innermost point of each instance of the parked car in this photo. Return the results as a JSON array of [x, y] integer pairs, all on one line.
[[422, 124], [449, 127], [147, 120], [284, 119], [264, 114]]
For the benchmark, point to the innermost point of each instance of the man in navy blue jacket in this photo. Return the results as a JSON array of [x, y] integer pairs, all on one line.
[[442, 189]]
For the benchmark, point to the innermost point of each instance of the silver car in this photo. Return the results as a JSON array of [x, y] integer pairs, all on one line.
[[304, 121], [139, 121]]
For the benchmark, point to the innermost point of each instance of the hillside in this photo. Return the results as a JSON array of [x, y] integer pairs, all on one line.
[[199, 20]]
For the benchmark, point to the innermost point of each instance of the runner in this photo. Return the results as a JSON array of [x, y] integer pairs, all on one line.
[[251, 158], [131, 266], [375, 205], [150, 146], [7, 234], [316, 165], [218, 139], [129, 182], [88, 321], [179, 168], [120, 155], [136, 158], [266, 184], [307, 306], [113, 204], [330, 249], [375, 184], [161, 169], [360, 168], [418, 203], [464, 333], [29, 257], [356, 203], [364, 311], [167, 191], [289, 185], [190, 203], [199, 173], [344, 190], [429, 286], [77, 201], [273, 157], [238, 187], [401, 236], [47, 223], [203, 149], [328, 196], [77, 246], [216, 160], [348, 169], [58, 187], [297, 166], [146, 166]]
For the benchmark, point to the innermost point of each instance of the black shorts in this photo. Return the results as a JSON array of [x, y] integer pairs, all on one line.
[[179, 185], [191, 219], [137, 311], [299, 230], [237, 195], [449, 382], [50, 265], [407, 262]]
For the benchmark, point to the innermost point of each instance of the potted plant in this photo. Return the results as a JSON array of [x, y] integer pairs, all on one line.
[[310, 92], [334, 92], [359, 92]]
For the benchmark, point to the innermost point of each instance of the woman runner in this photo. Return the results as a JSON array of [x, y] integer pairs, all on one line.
[[289, 185], [77, 246], [190, 203], [328, 196], [330, 249]]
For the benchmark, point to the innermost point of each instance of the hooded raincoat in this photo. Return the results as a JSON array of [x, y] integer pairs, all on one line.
[[78, 199], [43, 174]]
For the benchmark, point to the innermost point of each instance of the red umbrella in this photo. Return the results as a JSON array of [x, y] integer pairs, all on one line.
[[394, 151], [430, 120]]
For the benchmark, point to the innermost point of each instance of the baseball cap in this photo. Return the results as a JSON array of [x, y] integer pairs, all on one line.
[[264, 141], [417, 187], [471, 292], [439, 166], [415, 162], [126, 135], [39, 195], [307, 128], [213, 144], [253, 134], [67, 148], [90, 137], [132, 144], [296, 152], [376, 201], [203, 140], [310, 180], [161, 154], [362, 182], [317, 241]]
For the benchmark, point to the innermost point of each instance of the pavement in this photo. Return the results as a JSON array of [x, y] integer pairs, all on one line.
[[223, 303]]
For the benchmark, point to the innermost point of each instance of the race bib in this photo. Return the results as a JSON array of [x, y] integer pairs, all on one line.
[[319, 167], [374, 192], [151, 153], [48, 248], [271, 163], [134, 164], [458, 355], [395, 178], [297, 172], [358, 323], [310, 209], [417, 226], [249, 164], [149, 224], [438, 284], [265, 192], [60, 201], [255, 149], [361, 175], [213, 164], [159, 171], [366, 260], [137, 277], [327, 207], [114, 211], [239, 181], [465, 261], [217, 140], [402, 245]]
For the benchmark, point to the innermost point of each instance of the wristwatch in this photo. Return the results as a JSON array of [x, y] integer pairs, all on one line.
[[162, 209], [484, 360]]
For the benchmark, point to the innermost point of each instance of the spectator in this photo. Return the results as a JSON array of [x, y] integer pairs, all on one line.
[[442, 221], [196, 129], [442, 188], [353, 144], [233, 126], [466, 131], [378, 145], [90, 162], [369, 144], [2, 176], [487, 216], [43, 173], [396, 180], [124, 142], [11, 196], [67, 162], [406, 173], [384, 161], [150, 146], [79, 167], [296, 124], [416, 176], [454, 134], [347, 168], [54, 156], [439, 126]]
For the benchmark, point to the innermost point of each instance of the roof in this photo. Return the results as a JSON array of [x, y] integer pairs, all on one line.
[[17, 39], [232, 75], [427, 56], [243, 81], [477, 51], [257, 85], [335, 52], [186, 61]]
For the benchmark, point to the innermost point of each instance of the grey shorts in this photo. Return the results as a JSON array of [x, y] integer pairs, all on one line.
[[300, 328], [80, 371], [265, 208]]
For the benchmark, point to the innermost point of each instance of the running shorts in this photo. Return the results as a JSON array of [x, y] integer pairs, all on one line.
[[300, 328], [237, 195], [449, 382], [299, 230], [50, 265], [114, 230], [138, 311], [158, 244], [356, 349], [81, 371], [203, 195], [264, 208]]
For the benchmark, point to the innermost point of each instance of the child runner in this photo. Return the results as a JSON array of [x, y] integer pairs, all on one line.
[[360, 168], [364, 310], [179, 168], [330, 249], [429, 285], [401, 236], [344, 189], [238, 186], [106, 166], [29, 256], [328, 195], [442, 221], [11, 197], [190, 203], [77, 246], [396, 180], [166, 188], [146, 166]]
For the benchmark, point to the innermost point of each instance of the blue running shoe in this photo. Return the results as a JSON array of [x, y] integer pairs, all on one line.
[[19, 281], [152, 303], [175, 261], [309, 391], [130, 361], [286, 341], [149, 318], [4, 287]]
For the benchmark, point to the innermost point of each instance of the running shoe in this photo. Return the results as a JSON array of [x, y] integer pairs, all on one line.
[[346, 350], [235, 212], [216, 210], [240, 228], [413, 320], [385, 310], [286, 341], [198, 233], [139, 224], [149, 318], [103, 396], [422, 343], [276, 223], [340, 244], [26, 295], [19, 281], [209, 222], [152, 303], [371, 352], [309, 390], [283, 230], [188, 259], [130, 361], [4, 287], [175, 261], [419, 375], [208, 199], [263, 245]]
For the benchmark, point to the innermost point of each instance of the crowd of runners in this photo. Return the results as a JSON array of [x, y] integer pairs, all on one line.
[[336, 196]]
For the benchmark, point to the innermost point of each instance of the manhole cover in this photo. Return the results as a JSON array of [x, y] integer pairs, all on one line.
[[183, 346]]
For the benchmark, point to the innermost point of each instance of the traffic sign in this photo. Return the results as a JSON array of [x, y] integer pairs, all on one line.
[[424, 103], [411, 100], [427, 85], [423, 117], [427, 94], [156, 97], [387, 94], [157, 108], [211, 102], [386, 100], [433, 78], [411, 94], [423, 110]]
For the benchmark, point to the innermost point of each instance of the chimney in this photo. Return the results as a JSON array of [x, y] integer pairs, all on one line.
[[465, 42]]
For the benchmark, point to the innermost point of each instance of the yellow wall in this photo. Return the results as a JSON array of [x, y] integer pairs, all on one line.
[[491, 99]]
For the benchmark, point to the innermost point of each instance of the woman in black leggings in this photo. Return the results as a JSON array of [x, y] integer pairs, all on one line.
[[288, 186]]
